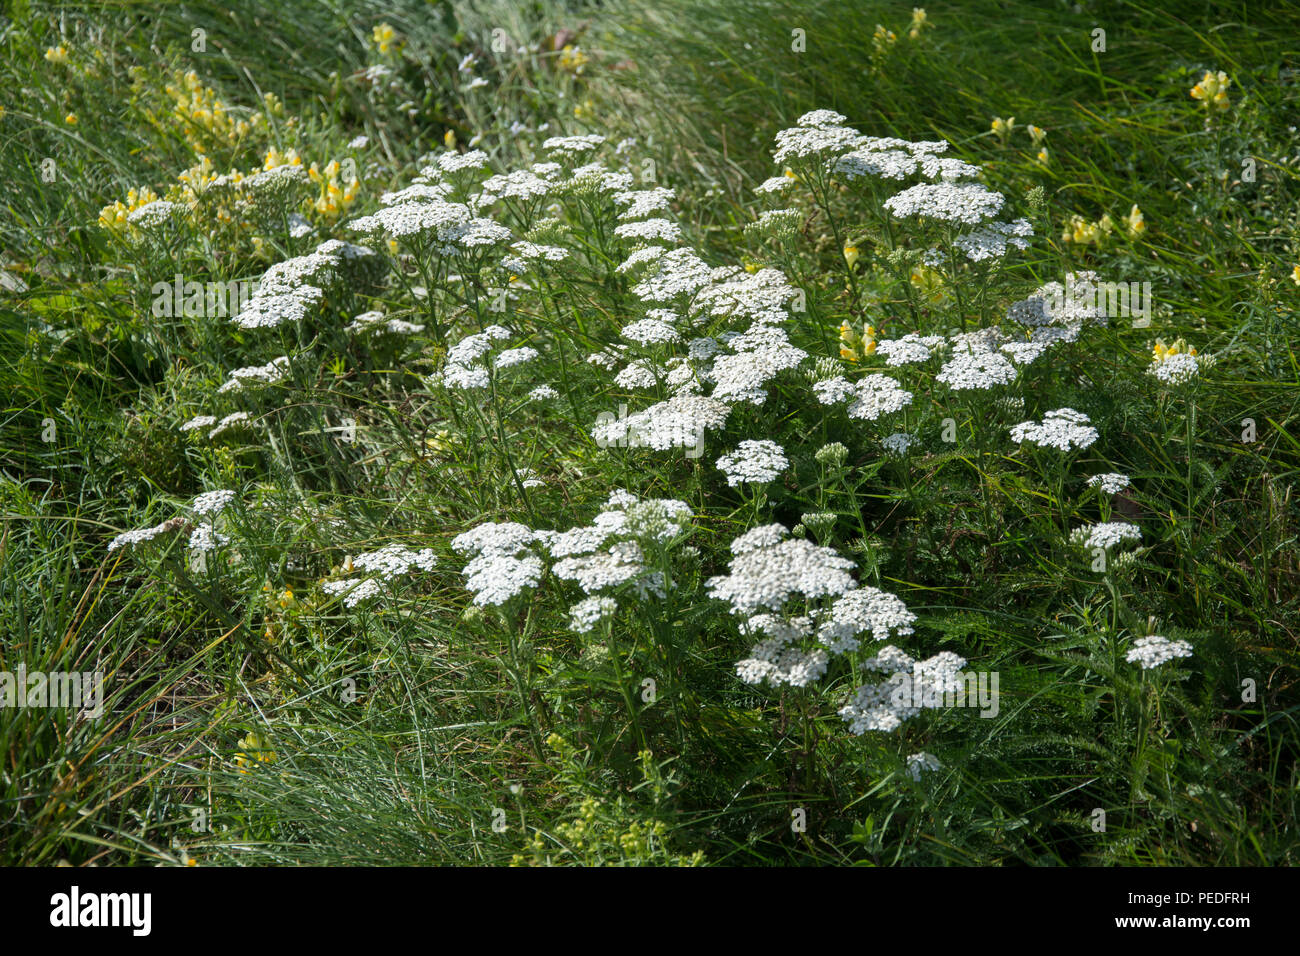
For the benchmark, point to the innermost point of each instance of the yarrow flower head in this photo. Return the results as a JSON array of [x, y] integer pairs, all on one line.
[[1064, 429], [1112, 482], [754, 461], [1155, 650], [1105, 535]]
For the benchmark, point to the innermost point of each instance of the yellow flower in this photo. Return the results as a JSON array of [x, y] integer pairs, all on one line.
[[1042, 156], [70, 119], [2, 112], [929, 283], [791, 174], [882, 39], [1212, 90], [1135, 222], [572, 59], [257, 749], [584, 110], [849, 342], [449, 139], [1003, 127], [57, 54], [918, 22], [851, 255], [1295, 275], [385, 37], [1037, 134]]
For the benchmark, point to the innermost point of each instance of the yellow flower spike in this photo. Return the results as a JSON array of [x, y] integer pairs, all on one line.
[[384, 37], [1135, 222], [918, 23]]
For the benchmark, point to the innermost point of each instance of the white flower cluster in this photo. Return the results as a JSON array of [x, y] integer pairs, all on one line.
[[1112, 482], [674, 423], [993, 240], [1155, 650], [758, 461], [501, 565], [1062, 429], [913, 686], [794, 649], [610, 552], [268, 374], [964, 203], [1177, 369], [354, 590], [974, 364], [395, 561], [140, 535], [912, 349], [1105, 535], [212, 502], [289, 290], [464, 369], [869, 398]]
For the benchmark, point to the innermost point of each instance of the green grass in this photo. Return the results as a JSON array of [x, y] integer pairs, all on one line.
[[421, 729]]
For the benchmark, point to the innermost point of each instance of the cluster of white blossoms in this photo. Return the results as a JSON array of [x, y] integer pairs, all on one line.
[[154, 214], [1177, 369], [758, 461], [912, 686], [910, 349], [1155, 650], [141, 535], [993, 240], [868, 398], [424, 214], [1063, 429], [355, 591], [252, 375], [395, 561], [1105, 535], [212, 502], [502, 564], [678, 422], [967, 204], [385, 566], [608, 556], [290, 290], [770, 570], [464, 368], [1111, 482], [976, 370], [898, 443], [1056, 312]]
